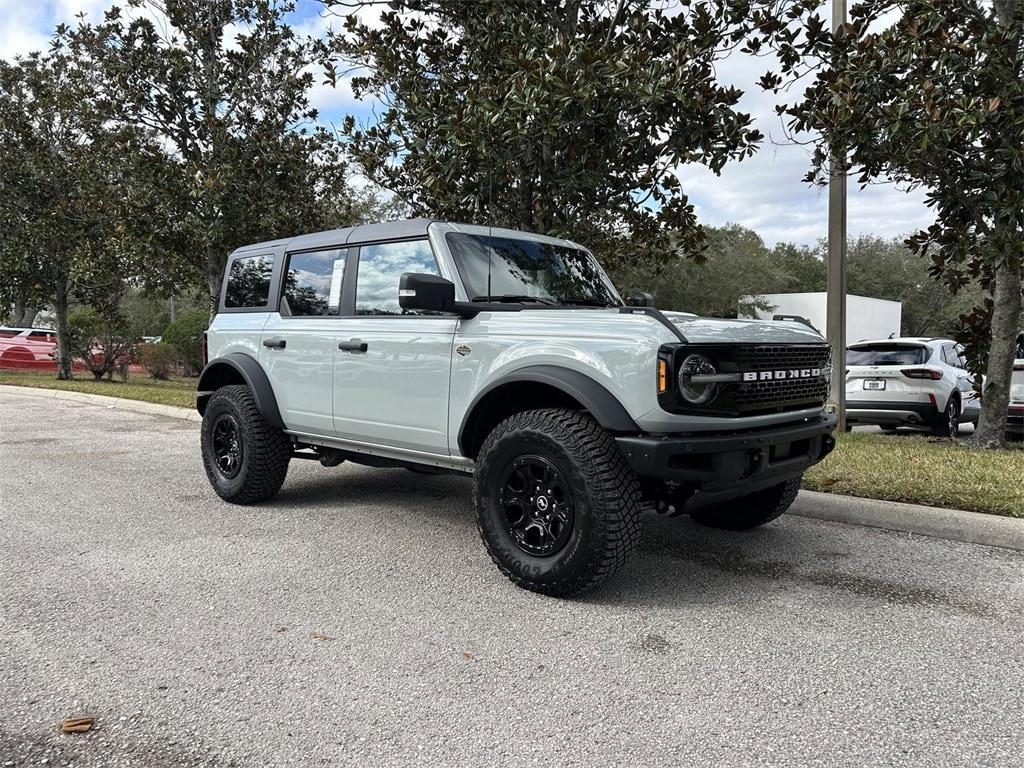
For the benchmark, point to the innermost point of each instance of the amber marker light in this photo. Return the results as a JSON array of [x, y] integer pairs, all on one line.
[[662, 376]]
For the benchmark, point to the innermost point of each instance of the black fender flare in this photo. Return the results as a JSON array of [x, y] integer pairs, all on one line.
[[593, 396], [251, 372]]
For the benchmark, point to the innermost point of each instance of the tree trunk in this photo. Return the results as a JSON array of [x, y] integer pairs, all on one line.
[[1006, 323], [60, 307], [28, 316], [214, 279]]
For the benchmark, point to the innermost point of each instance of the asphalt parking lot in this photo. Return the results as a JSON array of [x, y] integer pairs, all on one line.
[[356, 620]]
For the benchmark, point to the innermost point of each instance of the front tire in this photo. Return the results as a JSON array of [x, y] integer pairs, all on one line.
[[558, 507], [751, 510], [246, 459]]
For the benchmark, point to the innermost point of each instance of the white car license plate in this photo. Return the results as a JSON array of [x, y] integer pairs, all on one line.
[[874, 384]]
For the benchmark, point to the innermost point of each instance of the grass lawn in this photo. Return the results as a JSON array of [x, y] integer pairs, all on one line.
[[923, 470], [140, 387]]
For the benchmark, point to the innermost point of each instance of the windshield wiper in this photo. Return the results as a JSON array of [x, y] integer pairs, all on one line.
[[586, 302], [513, 299]]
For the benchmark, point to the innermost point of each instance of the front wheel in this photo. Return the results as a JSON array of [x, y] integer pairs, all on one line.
[[246, 459], [558, 507], [751, 510]]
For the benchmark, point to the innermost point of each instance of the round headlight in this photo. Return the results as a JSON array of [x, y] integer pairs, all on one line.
[[697, 392]]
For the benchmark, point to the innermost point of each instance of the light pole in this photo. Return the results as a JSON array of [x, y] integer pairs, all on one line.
[[835, 327]]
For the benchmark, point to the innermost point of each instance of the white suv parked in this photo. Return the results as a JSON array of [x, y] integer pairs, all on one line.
[[508, 356], [910, 382]]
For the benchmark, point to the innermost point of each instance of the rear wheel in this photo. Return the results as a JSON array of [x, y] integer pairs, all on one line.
[[558, 507], [948, 424], [751, 510], [246, 459]]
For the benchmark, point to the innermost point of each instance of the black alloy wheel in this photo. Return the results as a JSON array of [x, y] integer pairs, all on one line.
[[948, 424], [538, 505], [227, 445], [245, 458]]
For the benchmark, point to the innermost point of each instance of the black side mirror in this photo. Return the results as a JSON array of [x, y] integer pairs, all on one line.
[[642, 299], [427, 293]]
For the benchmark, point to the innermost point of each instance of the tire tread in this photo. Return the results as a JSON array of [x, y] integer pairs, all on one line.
[[267, 449], [612, 483]]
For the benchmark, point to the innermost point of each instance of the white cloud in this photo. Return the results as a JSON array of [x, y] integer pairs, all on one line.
[[24, 27], [766, 192]]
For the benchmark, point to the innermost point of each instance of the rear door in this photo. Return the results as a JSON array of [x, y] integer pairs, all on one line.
[[391, 378], [875, 372], [953, 355], [300, 339]]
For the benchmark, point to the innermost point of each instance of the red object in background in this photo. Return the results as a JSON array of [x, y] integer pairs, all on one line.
[[28, 348]]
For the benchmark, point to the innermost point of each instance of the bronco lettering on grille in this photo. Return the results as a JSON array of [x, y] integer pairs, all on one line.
[[802, 373]]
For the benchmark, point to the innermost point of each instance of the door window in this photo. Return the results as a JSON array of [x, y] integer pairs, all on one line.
[[381, 266], [249, 282], [961, 359], [312, 283], [950, 356]]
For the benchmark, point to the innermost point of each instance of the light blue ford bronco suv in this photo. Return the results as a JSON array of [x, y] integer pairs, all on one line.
[[508, 356]]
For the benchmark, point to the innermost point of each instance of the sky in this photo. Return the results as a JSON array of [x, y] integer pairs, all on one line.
[[765, 193]]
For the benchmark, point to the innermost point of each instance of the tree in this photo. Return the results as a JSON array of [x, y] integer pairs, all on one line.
[[60, 190], [103, 342], [887, 269], [736, 268], [567, 117], [185, 336], [224, 86], [931, 94]]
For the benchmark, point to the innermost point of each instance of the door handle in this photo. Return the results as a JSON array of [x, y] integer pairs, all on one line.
[[274, 343], [352, 345]]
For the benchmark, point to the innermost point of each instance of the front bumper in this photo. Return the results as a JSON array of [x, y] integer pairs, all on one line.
[[725, 461]]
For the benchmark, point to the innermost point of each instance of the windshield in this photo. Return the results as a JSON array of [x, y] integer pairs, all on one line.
[[528, 270], [886, 354]]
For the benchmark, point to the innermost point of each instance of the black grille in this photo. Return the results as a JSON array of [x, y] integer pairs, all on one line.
[[748, 398], [798, 392]]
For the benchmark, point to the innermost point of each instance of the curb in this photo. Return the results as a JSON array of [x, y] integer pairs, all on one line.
[[936, 522], [118, 403]]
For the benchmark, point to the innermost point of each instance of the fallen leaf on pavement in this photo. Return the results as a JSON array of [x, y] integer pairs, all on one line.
[[76, 724], [318, 636]]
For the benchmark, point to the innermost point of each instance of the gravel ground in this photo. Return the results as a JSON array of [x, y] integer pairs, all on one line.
[[356, 620]]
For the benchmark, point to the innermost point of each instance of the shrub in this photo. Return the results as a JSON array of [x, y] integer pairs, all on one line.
[[158, 359], [185, 336], [103, 342]]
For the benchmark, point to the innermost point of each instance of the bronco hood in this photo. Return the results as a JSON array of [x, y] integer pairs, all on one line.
[[709, 330]]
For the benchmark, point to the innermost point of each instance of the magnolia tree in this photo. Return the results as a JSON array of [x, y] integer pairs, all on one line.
[[567, 117], [931, 94], [61, 191], [223, 85]]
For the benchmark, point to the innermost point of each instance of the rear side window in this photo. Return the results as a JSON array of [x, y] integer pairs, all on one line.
[[312, 283], [381, 267], [887, 354], [249, 282]]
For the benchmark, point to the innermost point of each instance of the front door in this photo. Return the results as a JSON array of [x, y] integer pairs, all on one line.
[[391, 374], [299, 341]]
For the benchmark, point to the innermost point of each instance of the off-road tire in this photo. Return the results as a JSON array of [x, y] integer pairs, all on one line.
[[605, 495], [265, 449], [751, 510], [948, 422]]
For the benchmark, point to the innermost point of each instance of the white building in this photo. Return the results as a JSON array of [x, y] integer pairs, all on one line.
[[866, 318]]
